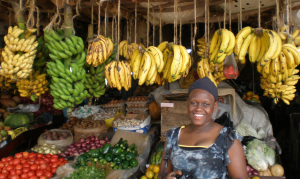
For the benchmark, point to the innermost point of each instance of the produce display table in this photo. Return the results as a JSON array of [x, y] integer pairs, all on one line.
[[30, 135]]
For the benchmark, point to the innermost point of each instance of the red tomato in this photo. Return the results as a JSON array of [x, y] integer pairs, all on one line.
[[33, 167], [18, 155], [30, 162], [5, 171], [6, 164], [47, 160], [25, 155], [48, 155], [48, 168], [34, 177], [48, 174], [3, 175], [10, 158], [31, 155], [16, 161], [39, 155], [24, 176], [39, 173], [62, 164], [43, 166], [54, 156], [37, 162], [26, 170], [11, 162], [43, 177], [3, 160], [23, 161], [26, 165], [53, 170], [19, 172], [19, 167], [53, 160], [15, 177], [58, 162], [32, 159], [43, 161], [31, 173], [1, 164], [54, 165], [0, 170], [9, 168], [12, 172], [61, 159]]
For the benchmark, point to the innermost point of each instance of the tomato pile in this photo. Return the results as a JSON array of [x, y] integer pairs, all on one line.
[[26, 165]]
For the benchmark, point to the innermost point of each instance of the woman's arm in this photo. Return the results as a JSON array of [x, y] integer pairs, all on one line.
[[237, 167], [169, 169]]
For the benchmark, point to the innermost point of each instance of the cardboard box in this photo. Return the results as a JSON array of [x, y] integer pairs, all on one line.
[[142, 128]]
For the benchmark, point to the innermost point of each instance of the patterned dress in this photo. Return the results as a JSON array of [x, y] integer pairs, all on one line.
[[196, 163]]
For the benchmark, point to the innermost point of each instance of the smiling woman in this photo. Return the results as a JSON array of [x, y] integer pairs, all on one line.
[[202, 149]]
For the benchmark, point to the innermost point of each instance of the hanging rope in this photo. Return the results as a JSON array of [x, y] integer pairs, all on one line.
[[119, 12], [105, 21], [160, 30], [180, 24], [135, 22], [225, 16], [148, 24], [259, 20], [277, 15], [206, 28], [54, 19], [195, 25], [174, 38], [191, 35], [127, 26], [287, 16], [99, 16], [30, 21], [112, 29], [230, 14], [241, 26], [153, 27], [9, 22], [92, 15]]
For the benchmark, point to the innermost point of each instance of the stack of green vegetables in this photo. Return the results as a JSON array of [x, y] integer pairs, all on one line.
[[89, 172], [120, 156]]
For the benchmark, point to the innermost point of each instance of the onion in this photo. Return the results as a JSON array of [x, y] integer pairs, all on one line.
[[83, 144], [93, 147], [98, 145], [8, 103], [80, 150], [76, 153], [87, 141], [106, 139], [71, 153], [93, 144], [84, 148], [248, 168], [68, 150], [254, 173], [81, 140], [97, 141], [88, 147], [102, 141], [96, 138], [108, 142], [249, 173], [251, 169], [71, 145], [78, 145], [16, 99]]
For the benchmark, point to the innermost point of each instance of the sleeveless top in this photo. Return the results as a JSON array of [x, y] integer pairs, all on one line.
[[198, 163]]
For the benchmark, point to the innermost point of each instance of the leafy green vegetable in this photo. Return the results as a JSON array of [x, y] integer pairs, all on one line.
[[88, 172], [270, 155], [16, 120]]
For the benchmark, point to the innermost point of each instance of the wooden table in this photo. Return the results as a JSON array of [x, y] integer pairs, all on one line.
[[30, 135]]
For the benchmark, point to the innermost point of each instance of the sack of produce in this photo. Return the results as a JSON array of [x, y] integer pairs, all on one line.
[[46, 149], [15, 120], [86, 128], [60, 138]]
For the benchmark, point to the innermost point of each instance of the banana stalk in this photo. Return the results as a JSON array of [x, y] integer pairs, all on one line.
[[68, 20]]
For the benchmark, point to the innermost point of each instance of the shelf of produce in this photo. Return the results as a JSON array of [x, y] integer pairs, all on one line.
[[29, 136]]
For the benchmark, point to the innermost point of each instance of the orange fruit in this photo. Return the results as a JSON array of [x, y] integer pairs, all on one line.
[[149, 174], [143, 177], [249, 98], [249, 93], [255, 96], [244, 97], [151, 167], [155, 176], [155, 169]]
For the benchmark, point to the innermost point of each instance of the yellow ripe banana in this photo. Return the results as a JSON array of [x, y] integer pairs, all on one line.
[[282, 60], [200, 69], [293, 77], [89, 55], [273, 44], [266, 68], [166, 55], [121, 75], [295, 71], [168, 66], [231, 44], [185, 59], [283, 35], [157, 57], [144, 68], [259, 68], [107, 76], [121, 46], [221, 58], [152, 67], [253, 48], [117, 77], [214, 41], [215, 51], [176, 64], [291, 83], [162, 46], [295, 33], [112, 75], [136, 65], [225, 40], [242, 34], [126, 66], [275, 67], [294, 52], [279, 78], [245, 46], [133, 58], [289, 58], [279, 45]]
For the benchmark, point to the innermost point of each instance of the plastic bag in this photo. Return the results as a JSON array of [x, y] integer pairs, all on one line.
[[230, 68], [60, 144], [224, 120], [65, 171], [85, 111], [25, 108], [84, 133], [17, 120]]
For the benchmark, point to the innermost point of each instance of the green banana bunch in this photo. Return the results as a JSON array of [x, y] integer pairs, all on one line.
[[95, 81], [61, 47], [67, 86], [42, 55]]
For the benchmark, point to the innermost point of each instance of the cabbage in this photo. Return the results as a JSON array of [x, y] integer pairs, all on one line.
[[19, 119], [256, 159], [270, 155]]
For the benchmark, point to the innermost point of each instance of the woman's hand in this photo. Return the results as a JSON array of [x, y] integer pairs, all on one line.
[[170, 175]]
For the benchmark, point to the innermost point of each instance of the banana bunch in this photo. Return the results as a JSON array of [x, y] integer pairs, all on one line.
[[188, 80], [278, 89], [5, 83], [99, 51], [34, 86], [127, 50], [201, 46], [18, 54], [213, 71], [289, 38], [1, 57], [41, 57], [95, 81], [159, 79], [222, 45], [67, 86], [118, 75], [12, 134], [68, 48]]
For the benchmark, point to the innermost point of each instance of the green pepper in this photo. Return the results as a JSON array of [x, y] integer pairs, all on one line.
[[124, 143], [135, 153], [86, 154], [94, 153], [117, 159], [116, 167], [119, 142], [133, 162], [109, 157], [106, 148], [129, 156], [118, 151], [101, 156], [120, 167], [112, 164], [125, 164], [123, 155], [131, 147], [101, 149], [113, 150], [81, 157]]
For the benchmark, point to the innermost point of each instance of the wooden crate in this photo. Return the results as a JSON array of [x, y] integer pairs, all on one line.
[[175, 116]]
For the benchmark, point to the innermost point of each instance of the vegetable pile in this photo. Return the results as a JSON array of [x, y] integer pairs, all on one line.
[[260, 157], [88, 172], [55, 135], [46, 149], [120, 156], [127, 122], [30, 165], [84, 145], [86, 124]]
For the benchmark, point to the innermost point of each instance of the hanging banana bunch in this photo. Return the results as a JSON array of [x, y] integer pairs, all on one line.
[[127, 50], [211, 70], [18, 54], [201, 46]]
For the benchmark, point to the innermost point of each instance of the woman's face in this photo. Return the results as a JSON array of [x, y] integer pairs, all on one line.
[[201, 105]]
